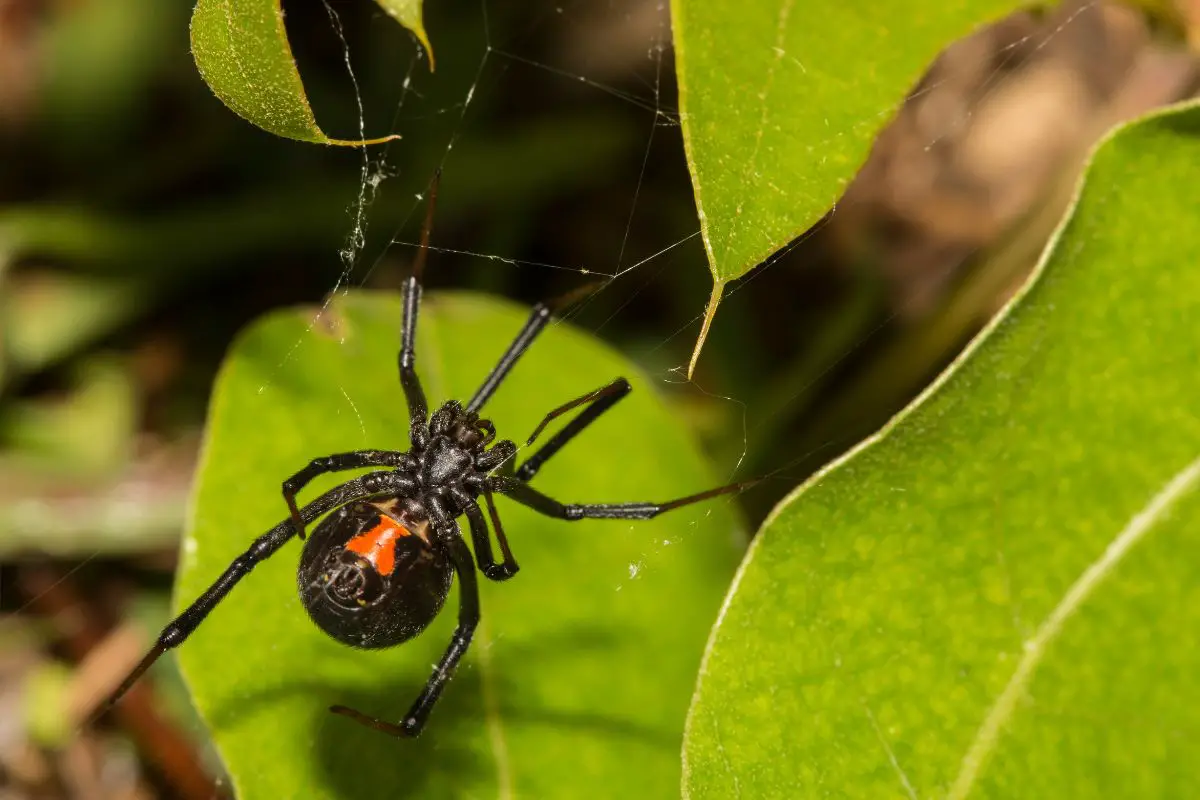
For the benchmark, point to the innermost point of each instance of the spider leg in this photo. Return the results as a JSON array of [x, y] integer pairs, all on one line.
[[537, 321], [335, 463], [597, 401], [501, 538], [526, 495], [414, 395], [482, 544], [180, 628], [447, 536]]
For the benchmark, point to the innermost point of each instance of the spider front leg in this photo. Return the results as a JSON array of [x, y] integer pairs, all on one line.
[[336, 463], [447, 537], [597, 402], [539, 318], [410, 382], [528, 496]]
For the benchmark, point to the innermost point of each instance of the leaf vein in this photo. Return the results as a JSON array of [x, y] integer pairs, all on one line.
[[891, 754], [1002, 710]]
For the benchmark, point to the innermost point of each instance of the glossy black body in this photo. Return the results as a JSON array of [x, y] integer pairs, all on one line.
[[350, 600]]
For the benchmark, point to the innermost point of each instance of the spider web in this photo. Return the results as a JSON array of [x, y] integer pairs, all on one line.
[[626, 275], [365, 249], [495, 60]]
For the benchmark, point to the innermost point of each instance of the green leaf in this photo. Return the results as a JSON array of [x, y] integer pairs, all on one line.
[[408, 14], [779, 104], [581, 672], [992, 596], [242, 52]]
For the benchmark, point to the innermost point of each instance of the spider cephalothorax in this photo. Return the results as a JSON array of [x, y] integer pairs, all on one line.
[[453, 457], [378, 567]]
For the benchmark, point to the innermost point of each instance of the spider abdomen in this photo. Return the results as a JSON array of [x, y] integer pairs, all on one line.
[[368, 580]]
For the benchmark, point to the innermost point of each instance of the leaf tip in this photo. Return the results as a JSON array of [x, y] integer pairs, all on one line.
[[410, 16], [423, 38], [709, 312]]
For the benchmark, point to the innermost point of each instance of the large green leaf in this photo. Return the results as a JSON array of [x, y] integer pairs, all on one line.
[[995, 595], [581, 673], [779, 103], [242, 52]]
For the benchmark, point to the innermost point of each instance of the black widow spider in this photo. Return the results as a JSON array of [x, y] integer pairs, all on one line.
[[376, 571]]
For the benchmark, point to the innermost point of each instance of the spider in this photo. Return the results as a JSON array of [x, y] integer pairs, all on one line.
[[377, 569]]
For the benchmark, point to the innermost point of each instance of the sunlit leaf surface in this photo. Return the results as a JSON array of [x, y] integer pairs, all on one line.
[[995, 596], [581, 673], [780, 101]]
